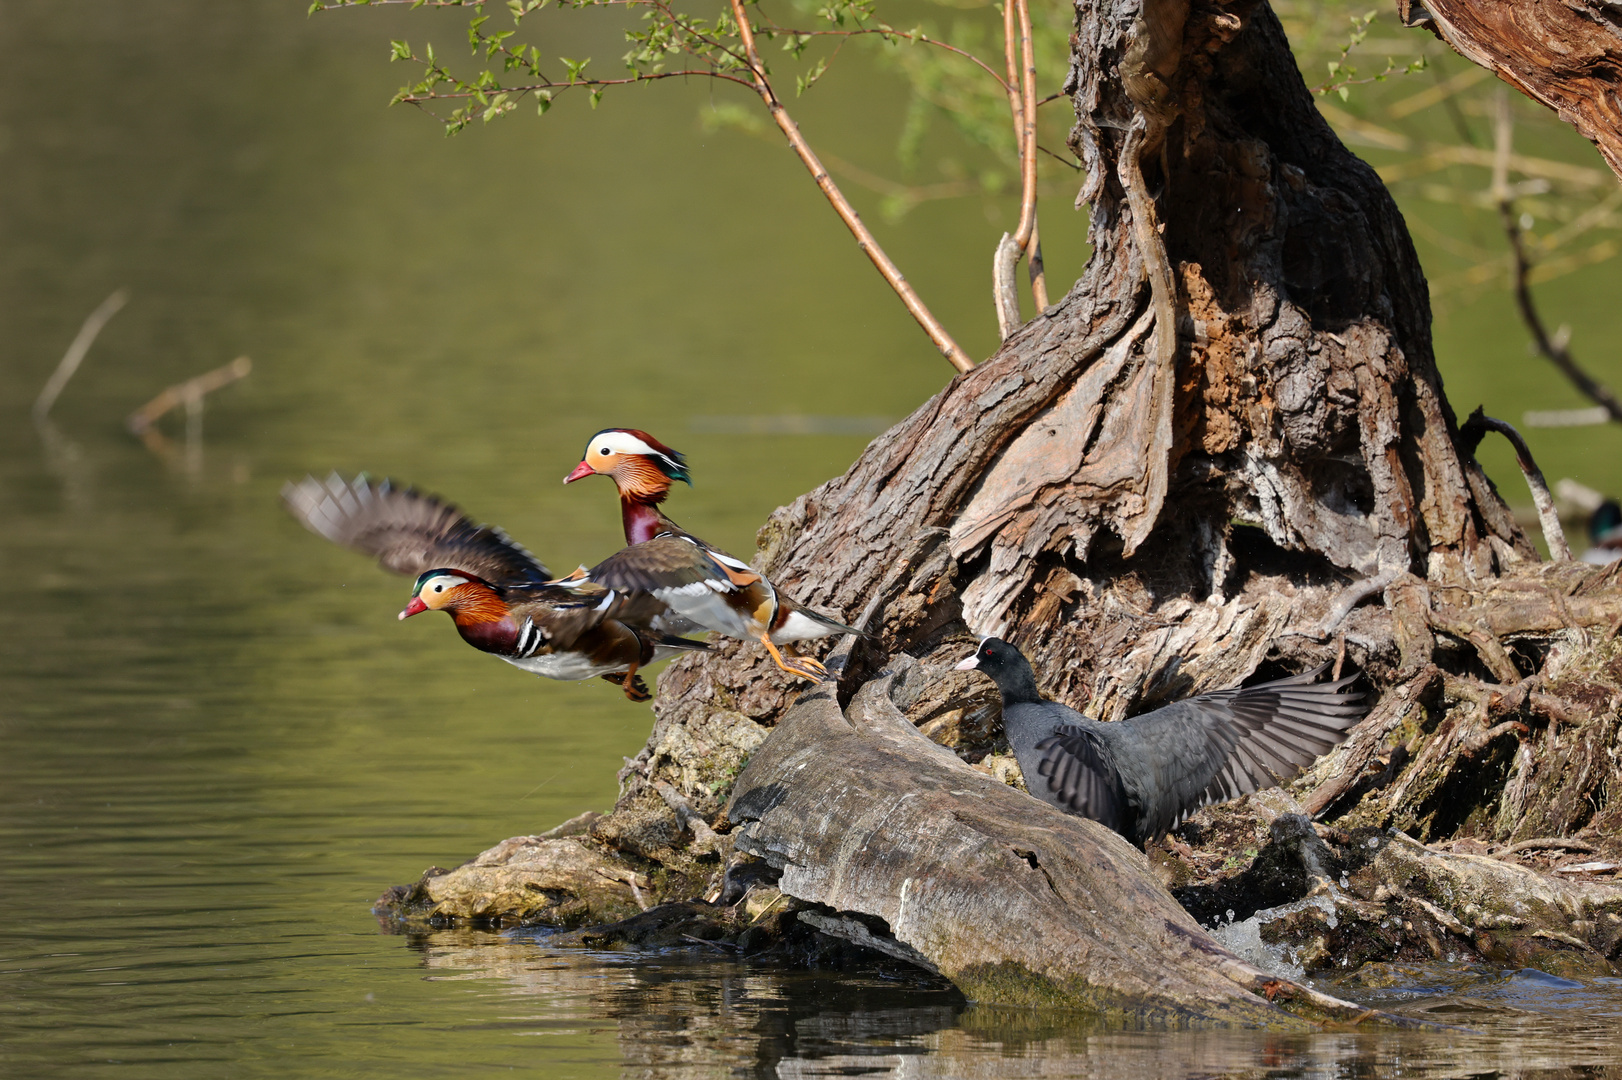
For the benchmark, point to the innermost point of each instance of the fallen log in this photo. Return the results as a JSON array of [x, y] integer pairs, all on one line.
[[1012, 900]]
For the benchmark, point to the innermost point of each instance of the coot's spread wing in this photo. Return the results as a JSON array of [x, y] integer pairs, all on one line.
[[408, 532], [1221, 745], [1081, 776]]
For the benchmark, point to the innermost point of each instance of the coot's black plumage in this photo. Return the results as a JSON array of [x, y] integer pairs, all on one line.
[[1141, 776]]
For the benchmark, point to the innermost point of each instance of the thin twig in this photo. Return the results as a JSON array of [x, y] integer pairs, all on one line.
[[912, 193], [76, 352], [1549, 518], [1555, 351], [864, 239], [1066, 162], [1563, 843], [888, 32], [560, 87]]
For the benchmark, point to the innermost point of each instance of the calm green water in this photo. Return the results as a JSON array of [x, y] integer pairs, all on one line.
[[217, 745]]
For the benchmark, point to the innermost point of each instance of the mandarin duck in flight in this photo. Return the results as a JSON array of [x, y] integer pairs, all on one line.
[[704, 587], [1143, 775], [495, 592]]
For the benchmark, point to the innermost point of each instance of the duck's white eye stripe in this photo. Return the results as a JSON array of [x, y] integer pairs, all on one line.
[[624, 443]]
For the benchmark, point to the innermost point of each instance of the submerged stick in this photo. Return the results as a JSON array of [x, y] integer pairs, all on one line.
[[186, 393], [142, 423], [76, 352]]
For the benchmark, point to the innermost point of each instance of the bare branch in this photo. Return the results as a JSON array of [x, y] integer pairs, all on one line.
[[1555, 351], [864, 238], [1471, 433]]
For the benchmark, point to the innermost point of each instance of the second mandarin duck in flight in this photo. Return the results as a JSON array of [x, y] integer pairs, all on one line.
[[702, 585], [495, 591]]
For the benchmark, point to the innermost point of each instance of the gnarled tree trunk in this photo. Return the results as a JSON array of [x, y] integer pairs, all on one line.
[[1226, 436], [1250, 343]]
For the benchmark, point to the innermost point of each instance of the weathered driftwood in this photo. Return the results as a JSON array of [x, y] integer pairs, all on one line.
[[1012, 900]]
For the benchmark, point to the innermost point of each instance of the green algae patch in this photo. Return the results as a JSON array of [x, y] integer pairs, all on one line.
[[1009, 984]]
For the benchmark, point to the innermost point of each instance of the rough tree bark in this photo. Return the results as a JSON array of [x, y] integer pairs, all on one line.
[[1192, 469], [1249, 343], [1566, 55]]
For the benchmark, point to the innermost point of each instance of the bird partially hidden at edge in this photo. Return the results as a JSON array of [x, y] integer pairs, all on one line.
[[1143, 775], [494, 590], [704, 586], [1604, 534]]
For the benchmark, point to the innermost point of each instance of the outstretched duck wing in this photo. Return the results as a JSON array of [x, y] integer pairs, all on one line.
[[707, 588], [408, 532]]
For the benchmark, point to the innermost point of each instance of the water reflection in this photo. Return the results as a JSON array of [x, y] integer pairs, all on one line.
[[693, 1014]]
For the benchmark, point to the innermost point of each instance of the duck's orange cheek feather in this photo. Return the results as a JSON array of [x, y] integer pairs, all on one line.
[[637, 476]]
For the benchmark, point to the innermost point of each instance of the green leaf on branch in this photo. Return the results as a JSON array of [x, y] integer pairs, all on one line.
[[802, 83], [400, 51]]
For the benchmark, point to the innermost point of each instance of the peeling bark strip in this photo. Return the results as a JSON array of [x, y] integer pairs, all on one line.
[[1012, 900], [1566, 54]]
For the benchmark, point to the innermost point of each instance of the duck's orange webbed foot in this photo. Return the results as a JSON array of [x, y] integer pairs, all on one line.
[[803, 666], [631, 683]]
